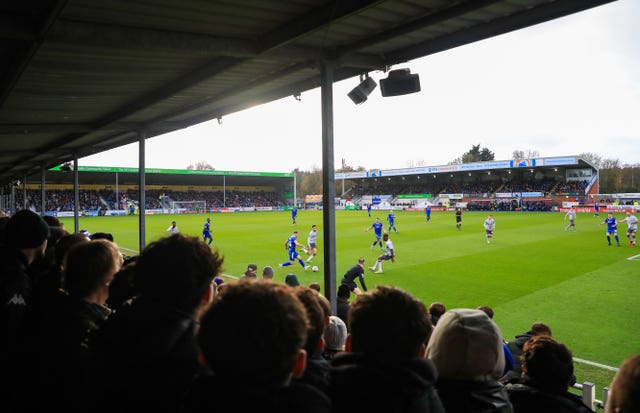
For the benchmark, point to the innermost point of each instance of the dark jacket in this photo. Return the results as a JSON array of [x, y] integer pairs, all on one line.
[[214, 394], [460, 396], [16, 290], [343, 309], [317, 373], [529, 399], [144, 358], [515, 346], [359, 384]]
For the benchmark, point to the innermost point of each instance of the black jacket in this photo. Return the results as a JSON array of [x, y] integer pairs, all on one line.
[[529, 399], [214, 394], [144, 358], [459, 396], [359, 384]]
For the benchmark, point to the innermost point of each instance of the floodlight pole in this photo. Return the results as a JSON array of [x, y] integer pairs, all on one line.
[[328, 184], [141, 189]]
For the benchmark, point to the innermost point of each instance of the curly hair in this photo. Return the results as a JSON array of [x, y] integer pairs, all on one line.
[[176, 271]]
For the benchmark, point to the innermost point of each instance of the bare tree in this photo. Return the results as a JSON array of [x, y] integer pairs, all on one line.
[[201, 166], [592, 158]]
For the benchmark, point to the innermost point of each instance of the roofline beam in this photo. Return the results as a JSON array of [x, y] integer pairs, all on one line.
[[527, 18], [418, 24]]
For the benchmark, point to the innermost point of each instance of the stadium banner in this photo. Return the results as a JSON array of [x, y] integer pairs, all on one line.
[[351, 175], [115, 212], [351, 208], [559, 161], [414, 196], [65, 214], [452, 196], [519, 194], [264, 208]]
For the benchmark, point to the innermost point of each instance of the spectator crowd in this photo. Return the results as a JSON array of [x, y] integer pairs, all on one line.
[[85, 328]]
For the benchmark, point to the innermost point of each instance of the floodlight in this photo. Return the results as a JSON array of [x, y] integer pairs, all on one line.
[[400, 82], [359, 93]]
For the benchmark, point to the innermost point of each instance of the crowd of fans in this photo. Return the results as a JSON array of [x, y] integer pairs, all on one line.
[[91, 329], [96, 200]]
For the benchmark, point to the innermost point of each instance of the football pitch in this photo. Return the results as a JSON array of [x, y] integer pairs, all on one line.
[[533, 270]]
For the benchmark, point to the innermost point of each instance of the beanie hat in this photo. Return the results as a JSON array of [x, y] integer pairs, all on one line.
[[335, 335], [218, 280], [466, 345], [292, 280], [26, 229]]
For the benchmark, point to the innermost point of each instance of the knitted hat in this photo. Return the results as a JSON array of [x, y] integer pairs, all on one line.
[[466, 345], [26, 229], [335, 335], [292, 280]]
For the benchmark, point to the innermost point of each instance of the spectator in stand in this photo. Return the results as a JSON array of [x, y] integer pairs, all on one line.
[[385, 356], [335, 336], [547, 367], [59, 347], [343, 305], [466, 348], [291, 280], [268, 273], [317, 372], [146, 354], [624, 396], [508, 357], [516, 345], [315, 286], [254, 364], [26, 241], [436, 309], [122, 289], [250, 272]]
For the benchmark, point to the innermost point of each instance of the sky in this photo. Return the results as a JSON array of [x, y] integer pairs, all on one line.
[[564, 87]]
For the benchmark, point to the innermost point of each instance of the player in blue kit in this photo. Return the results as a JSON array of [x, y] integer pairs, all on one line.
[[612, 228], [392, 221], [377, 230], [290, 245], [369, 210], [206, 232], [294, 214], [427, 211]]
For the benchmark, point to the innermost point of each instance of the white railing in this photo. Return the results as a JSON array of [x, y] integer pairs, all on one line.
[[589, 395]]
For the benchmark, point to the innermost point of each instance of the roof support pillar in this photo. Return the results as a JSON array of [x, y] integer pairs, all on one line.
[[76, 196], [328, 184], [24, 192], [142, 135], [43, 200]]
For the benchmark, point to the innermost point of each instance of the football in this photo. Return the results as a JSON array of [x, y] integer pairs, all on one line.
[[314, 268]]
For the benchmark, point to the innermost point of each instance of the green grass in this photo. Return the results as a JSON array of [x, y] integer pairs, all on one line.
[[532, 271]]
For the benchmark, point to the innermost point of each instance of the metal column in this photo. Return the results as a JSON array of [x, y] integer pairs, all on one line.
[[76, 196], [328, 185], [141, 188], [24, 192], [43, 178]]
